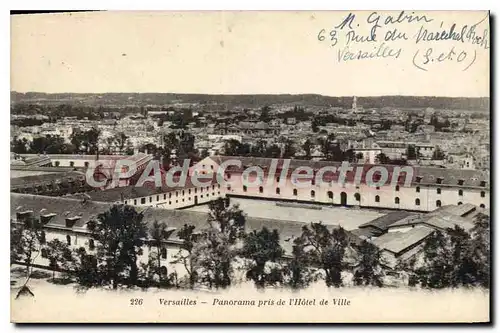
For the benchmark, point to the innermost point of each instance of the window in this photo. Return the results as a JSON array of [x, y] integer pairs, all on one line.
[[86, 164], [439, 180], [483, 194], [229, 187], [483, 183], [183, 192], [164, 197], [91, 244], [417, 189], [189, 191], [45, 253], [418, 179], [438, 203], [195, 190], [460, 192], [396, 200], [176, 193], [438, 191], [261, 189], [143, 200], [417, 202], [42, 237], [212, 167], [228, 175], [68, 239], [126, 202], [71, 163], [378, 187], [313, 194], [481, 205], [169, 195], [357, 196], [330, 194], [244, 188], [277, 190], [295, 192], [397, 188], [377, 198], [135, 202], [460, 182], [163, 253], [150, 199], [157, 198], [459, 203], [277, 179], [213, 187], [57, 163]]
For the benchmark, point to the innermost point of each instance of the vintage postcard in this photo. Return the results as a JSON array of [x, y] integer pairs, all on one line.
[[254, 167]]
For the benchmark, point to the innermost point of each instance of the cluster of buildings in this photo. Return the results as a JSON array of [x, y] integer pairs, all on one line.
[[427, 194]]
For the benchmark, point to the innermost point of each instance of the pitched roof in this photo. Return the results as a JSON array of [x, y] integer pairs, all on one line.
[[382, 223], [69, 207], [440, 221], [147, 189], [426, 175], [46, 178], [397, 242]]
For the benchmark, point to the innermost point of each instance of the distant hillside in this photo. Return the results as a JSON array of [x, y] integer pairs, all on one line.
[[122, 99]]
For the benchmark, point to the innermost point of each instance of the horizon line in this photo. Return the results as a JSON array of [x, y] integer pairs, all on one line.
[[240, 94]]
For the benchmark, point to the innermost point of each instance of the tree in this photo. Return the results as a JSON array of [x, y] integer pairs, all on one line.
[[315, 125], [119, 233], [411, 153], [59, 255], [288, 149], [479, 250], [307, 145], [218, 244], [299, 273], [185, 253], [86, 142], [264, 114], [26, 245], [446, 261], [158, 235], [383, 159], [263, 247], [369, 270], [19, 146], [327, 250], [85, 269], [438, 154]]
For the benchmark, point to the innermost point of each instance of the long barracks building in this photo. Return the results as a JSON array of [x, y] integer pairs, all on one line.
[[426, 189]]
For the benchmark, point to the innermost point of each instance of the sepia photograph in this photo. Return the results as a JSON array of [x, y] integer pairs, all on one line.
[[250, 167]]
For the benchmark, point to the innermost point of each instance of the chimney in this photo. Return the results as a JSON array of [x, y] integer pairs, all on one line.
[[71, 221]]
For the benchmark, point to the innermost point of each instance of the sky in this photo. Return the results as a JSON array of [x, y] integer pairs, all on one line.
[[236, 53]]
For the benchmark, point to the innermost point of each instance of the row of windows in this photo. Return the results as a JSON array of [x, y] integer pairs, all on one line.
[[357, 196], [71, 164], [143, 200], [460, 192], [439, 180], [278, 191]]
